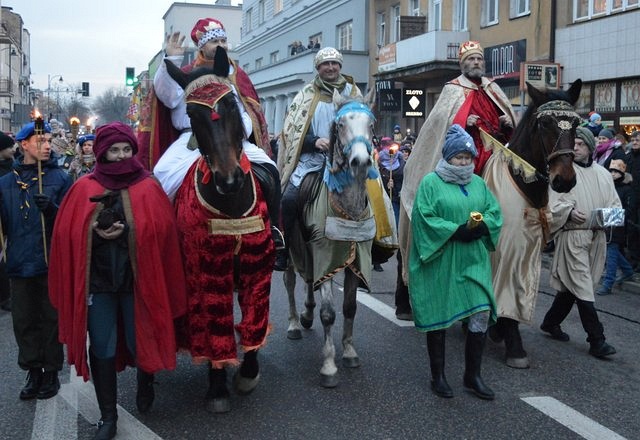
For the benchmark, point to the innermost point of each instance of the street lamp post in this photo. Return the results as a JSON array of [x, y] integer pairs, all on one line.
[[49, 79]]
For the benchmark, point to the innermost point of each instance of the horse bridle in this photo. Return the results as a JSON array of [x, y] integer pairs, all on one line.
[[356, 107], [555, 109]]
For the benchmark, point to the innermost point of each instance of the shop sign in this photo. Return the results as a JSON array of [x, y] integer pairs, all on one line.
[[389, 100], [503, 61], [387, 57], [413, 103], [540, 75], [604, 99], [630, 95]]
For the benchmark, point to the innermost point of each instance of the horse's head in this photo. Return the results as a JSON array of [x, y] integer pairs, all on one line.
[[549, 126], [215, 120], [352, 130]]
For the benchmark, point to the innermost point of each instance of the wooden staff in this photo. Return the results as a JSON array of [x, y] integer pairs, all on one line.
[[39, 131], [392, 154]]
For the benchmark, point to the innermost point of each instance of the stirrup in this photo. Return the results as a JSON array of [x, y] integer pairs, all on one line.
[[278, 238]]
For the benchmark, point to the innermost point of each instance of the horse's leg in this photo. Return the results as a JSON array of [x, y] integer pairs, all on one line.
[[306, 317], [349, 306], [328, 317], [516, 357], [289, 277], [218, 400]]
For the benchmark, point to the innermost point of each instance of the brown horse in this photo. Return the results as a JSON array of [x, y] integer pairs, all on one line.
[[225, 236], [544, 138]]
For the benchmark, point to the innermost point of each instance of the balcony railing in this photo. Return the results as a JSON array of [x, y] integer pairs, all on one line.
[[6, 87]]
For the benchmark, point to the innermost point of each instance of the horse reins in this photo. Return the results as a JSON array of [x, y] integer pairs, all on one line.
[[555, 109]]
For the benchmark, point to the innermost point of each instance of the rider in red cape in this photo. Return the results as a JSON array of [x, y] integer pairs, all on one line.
[[139, 291]]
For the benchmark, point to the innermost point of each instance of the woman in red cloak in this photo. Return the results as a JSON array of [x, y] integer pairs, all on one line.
[[116, 273]]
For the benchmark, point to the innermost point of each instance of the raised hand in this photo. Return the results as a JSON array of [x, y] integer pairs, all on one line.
[[173, 44]]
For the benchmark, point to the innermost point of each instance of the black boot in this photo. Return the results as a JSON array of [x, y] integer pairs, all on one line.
[[31, 388], [248, 375], [145, 393], [562, 304], [403, 303], [516, 357], [49, 386], [473, 382], [105, 381], [435, 347], [218, 401], [595, 332]]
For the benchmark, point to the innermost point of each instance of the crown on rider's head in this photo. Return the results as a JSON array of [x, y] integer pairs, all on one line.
[[207, 29], [327, 54], [470, 48]]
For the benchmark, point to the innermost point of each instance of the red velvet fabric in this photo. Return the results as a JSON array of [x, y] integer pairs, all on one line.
[[207, 330], [159, 283]]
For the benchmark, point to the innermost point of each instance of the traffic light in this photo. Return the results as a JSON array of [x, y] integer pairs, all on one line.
[[130, 76], [85, 89]]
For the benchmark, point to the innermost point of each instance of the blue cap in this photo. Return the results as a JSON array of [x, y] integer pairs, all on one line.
[[28, 130], [457, 140], [85, 138]]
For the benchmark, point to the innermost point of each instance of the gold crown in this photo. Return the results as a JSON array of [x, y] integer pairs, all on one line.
[[469, 47]]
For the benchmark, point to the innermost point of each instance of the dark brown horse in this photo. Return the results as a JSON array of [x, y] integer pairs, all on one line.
[[225, 236], [544, 138]]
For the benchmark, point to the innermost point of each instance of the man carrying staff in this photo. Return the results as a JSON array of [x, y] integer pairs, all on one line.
[[30, 193]]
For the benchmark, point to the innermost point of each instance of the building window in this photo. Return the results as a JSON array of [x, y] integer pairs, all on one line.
[[277, 6], [258, 63], [248, 20], [519, 8], [381, 37], [587, 9], [435, 10], [315, 41], [460, 15], [395, 22], [245, 67], [489, 12], [273, 57], [261, 12], [345, 38], [414, 7]]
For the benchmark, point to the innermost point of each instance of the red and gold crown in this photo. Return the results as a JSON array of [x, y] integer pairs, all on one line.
[[469, 48], [207, 29]]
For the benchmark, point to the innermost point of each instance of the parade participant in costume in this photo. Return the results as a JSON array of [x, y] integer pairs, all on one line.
[[208, 34], [306, 133], [29, 199], [580, 252], [85, 160], [445, 241], [116, 273]]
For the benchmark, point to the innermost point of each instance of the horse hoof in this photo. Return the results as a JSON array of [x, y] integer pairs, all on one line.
[[353, 362], [245, 385], [520, 363], [294, 334], [305, 322], [219, 405], [329, 381]]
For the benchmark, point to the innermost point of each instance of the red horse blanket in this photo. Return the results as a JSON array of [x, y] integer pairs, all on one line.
[[211, 241]]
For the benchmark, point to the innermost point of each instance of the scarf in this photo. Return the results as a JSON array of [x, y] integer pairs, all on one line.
[[119, 175], [327, 88], [454, 174], [387, 162], [603, 151]]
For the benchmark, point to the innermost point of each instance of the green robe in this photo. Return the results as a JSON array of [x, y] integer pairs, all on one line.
[[450, 280]]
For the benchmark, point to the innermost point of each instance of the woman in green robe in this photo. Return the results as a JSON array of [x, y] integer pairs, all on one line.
[[449, 264]]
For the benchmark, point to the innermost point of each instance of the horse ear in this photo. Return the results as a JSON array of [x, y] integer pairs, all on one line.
[[221, 63], [537, 96], [574, 91], [178, 75], [370, 98], [338, 99]]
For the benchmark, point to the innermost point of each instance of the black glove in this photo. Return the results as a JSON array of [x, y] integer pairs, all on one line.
[[43, 202], [481, 230], [463, 234]]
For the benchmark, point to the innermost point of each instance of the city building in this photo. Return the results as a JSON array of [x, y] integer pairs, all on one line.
[[16, 96], [281, 37]]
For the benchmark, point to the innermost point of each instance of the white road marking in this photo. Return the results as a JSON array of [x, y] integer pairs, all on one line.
[[56, 418], [572, 419], [381, 308]]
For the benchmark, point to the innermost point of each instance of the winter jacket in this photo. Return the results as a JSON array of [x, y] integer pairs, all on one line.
[[21, 220]]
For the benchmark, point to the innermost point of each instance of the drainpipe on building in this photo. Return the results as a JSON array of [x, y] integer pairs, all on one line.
[[552, 37]]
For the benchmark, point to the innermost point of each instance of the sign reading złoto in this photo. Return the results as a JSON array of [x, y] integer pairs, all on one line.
[[413, 103]]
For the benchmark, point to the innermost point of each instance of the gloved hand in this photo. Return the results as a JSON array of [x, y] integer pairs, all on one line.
[[463, 234], [481, 230], [43, 202]]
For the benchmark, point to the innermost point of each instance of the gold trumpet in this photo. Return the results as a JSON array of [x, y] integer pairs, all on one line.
[[474, 219]]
